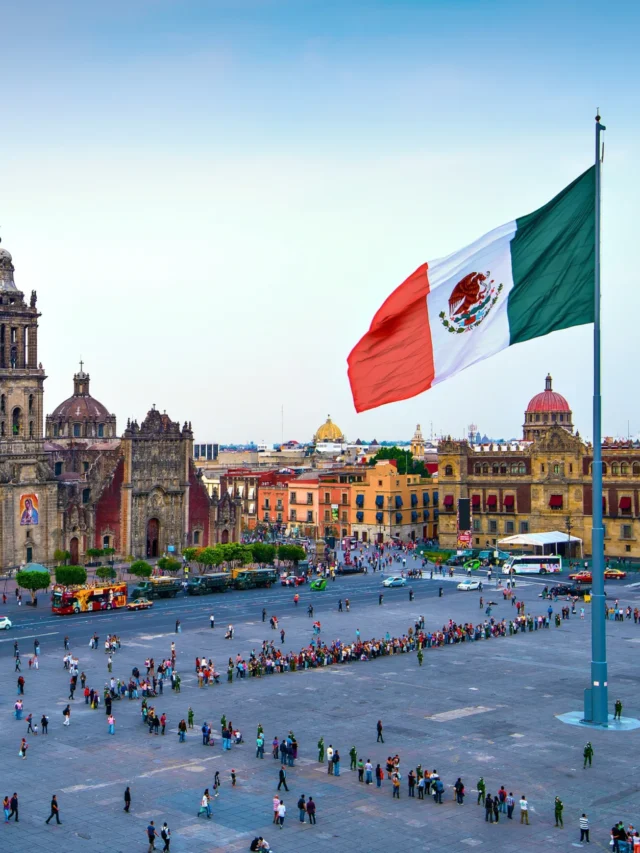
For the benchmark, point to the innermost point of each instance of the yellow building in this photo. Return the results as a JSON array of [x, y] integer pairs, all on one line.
[[388, 505], [540, 484]]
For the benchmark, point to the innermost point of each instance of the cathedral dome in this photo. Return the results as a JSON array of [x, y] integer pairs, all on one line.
[[6, 271], [81, 416], [548, 400], [329, 432]]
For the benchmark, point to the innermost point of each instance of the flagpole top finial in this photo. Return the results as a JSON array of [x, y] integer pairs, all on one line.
[[597, 114]]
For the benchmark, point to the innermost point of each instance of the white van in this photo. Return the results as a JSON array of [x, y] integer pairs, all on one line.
[[532, 564]]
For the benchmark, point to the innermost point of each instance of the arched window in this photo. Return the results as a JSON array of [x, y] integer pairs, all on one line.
[[2, 429], [30, 404], [514, 467], [604, 468], [3, 404], [106, 541], [556, 468], [624, 469], [636, 469], [537, 419], [496, 469], [55, 430], [86, 494], [448, 470], [76, 430], [561, 418], [503, 469], [615, 470], [522, 468], [16, 421], [485, 469], [100, 430], [196, 537], [58, 469], [477, 468], [30, 429]]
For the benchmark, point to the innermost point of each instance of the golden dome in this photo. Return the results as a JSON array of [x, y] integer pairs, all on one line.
[[329, 432]]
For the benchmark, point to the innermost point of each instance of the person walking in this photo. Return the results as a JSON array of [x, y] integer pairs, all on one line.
[[558, 806], [282, 810], [618, 710], [127, 799], [182, 731], [151, 836], [24, 746], [67, 716], [212, 621], [584, 828], [55, 811], [524, 810], [14, 808], [6, 808], [379, 776], [380, 739], [380, 598], [282, 777], [264, 614], [311, 810], [111, 720], [165, 835], [395, 782], [587, 754], [336, 763]]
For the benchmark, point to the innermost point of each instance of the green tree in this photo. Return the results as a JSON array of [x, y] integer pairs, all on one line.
[[169, 564], [406, 463], [208, 557], [94, 553], [61, 556], [106, 573], [71, 575], [109, 552], [33, 581], [140, 568], [190, 553], [263, 553], [291, 553]]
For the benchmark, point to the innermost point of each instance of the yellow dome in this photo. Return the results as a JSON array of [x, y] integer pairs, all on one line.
[[329, 432]]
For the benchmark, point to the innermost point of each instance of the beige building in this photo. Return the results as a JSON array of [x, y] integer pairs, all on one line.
[[542, 483]]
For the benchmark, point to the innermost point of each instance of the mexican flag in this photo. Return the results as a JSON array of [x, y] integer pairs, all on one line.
[[528, 278]]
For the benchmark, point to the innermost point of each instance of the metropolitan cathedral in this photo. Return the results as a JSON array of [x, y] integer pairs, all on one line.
[[77, 484]]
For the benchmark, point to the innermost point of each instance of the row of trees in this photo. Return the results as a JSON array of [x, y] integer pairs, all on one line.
[[217, 555], [62, 557], [236, 554]]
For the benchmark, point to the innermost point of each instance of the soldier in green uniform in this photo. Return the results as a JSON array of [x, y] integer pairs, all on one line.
[[223, 721], [482, 790], [230, 672], [557, 808], [190, 717], [353, 755], [588, 754], [321, 750], [420, 657], [618, 710]]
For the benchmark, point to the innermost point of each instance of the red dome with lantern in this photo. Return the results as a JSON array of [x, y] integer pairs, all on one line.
[[546, 409], [548, 400]]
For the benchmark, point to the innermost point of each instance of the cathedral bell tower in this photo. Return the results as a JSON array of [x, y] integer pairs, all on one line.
[[21, 378]]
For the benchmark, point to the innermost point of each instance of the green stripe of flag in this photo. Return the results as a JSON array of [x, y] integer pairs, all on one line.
[[553, 264]]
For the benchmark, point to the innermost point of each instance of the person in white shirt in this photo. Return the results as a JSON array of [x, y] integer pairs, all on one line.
[[282, 810], [524, 810]]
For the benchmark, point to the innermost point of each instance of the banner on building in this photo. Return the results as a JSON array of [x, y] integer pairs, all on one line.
[[334, 512]]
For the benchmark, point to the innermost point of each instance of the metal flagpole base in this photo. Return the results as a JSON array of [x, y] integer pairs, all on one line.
[[576, 718]]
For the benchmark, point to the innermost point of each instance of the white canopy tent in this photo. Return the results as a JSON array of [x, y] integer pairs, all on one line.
[[543, 541]]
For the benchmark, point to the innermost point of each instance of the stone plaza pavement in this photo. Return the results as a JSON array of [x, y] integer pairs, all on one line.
[[485, 708]]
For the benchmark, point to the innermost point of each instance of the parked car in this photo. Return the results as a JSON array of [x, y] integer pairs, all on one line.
[[292, 580], [467, 585], [139, 604], [5, 623], [396, 581]]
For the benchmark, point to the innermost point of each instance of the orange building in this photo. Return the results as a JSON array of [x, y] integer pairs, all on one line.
[[273, 501]]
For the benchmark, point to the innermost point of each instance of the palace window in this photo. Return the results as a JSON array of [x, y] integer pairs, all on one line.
[[485, 469], [266, 515], [496, 469], [522, 468], [477, 524], [625, 505], [626, 531], [493, 526], [327, 497], [509, 527], [345, 499], [477, 468], [524, 527], [294, 515], [448, 470], [293, 498], [310, 516], [514, 468], [624, 469], [615, 470], [503, 469], [636, 469], [604, 469], [555, 502], [309, 497], [327, 515]]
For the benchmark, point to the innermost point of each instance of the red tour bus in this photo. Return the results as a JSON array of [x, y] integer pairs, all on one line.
[[88, 597]]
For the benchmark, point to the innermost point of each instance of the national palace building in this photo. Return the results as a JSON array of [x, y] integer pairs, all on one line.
[[541, 483]]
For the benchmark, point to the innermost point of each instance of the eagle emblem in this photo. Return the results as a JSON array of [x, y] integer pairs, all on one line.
[[471, 300]]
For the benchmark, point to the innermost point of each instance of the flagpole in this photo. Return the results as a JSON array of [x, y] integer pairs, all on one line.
[[596, 705]]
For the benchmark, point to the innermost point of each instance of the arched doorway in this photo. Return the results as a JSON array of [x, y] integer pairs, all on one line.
[[73, 547], [224, 538], [153, 533]]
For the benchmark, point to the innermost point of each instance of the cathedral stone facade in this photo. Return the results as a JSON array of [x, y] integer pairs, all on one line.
[[79, 485]]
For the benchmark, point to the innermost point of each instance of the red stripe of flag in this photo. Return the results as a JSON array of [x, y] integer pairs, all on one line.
[[394, 360]]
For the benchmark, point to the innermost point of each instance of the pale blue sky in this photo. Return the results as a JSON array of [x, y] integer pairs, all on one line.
[[213, 198]]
